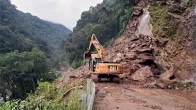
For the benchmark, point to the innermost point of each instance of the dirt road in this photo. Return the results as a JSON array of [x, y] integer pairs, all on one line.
[[112, 96]]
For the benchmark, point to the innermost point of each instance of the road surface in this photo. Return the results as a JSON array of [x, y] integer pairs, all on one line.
[[112, 96]]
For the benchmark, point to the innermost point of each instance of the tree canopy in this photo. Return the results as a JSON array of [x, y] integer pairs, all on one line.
[[22, 31], [19, 72]]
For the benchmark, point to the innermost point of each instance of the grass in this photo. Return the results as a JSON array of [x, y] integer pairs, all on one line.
[[47, 97], [163, 24]]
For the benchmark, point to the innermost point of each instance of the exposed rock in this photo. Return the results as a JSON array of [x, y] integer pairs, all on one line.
[[137, 12], [73, 76], [134, 38], [147, 50], [145, 56], [142, 74], [160, 41], [130, 55], [166, 78], [176, 44]]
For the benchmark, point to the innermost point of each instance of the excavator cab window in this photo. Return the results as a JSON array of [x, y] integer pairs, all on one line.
[[93, 62], [98, 60]]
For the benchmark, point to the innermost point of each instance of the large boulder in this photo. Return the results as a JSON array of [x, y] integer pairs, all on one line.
[[166, 78], [142, 74]]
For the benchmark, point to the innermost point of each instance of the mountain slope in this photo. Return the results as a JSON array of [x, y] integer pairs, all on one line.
[[165, 59], [107, 21], [26, 43], [22, 31]]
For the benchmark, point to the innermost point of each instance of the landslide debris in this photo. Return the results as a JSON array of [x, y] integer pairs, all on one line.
[[174, 30], [164, 59]]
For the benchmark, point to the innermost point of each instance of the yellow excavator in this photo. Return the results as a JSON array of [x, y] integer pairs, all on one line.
[[97, 64]]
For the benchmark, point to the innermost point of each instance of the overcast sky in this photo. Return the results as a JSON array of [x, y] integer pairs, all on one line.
[[66, 12]]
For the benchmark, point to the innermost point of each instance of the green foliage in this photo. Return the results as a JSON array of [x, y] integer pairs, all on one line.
[[189, 3], [77, 63], [164, 24], [46, 97], [19, 72], [75, 103], [25, 44], [22, 31], [107, 21]]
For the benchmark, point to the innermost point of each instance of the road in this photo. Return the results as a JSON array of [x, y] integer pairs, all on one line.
[[112, 96]]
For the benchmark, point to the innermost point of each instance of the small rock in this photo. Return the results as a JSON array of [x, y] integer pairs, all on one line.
[[134, 38], [147, 50], [131, 55], [145, 56], [73, 76], [142, 74], [133, 45]]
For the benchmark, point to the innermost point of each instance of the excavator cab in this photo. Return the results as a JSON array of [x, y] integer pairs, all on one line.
[[92, 64]]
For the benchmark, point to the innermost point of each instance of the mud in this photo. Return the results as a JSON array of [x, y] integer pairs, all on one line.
[[112, 96]]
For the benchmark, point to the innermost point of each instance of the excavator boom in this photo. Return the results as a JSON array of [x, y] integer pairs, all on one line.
[[94, 44]]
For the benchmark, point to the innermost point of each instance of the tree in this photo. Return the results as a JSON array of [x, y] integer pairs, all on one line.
[[20, 72]]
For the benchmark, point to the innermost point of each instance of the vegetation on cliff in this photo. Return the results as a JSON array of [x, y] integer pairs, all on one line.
[[172, 25], [107, 21], [47, 97]]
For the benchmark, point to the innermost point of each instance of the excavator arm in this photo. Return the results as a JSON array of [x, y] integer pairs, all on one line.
[[94, 44]]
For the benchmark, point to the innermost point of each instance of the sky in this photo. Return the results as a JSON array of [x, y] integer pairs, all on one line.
[[65, 12]]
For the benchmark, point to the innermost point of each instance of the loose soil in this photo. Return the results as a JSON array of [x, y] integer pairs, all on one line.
[[113, 96]]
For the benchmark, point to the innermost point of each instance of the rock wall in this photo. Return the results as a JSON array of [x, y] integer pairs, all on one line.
[[134, 50], [174, 32], [170, 52]]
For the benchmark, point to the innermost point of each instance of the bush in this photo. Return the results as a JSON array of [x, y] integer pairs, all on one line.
[[46, 97]]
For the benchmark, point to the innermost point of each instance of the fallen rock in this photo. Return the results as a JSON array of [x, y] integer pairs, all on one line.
[[166, 78], [145, 56], [134, 38], [142, 74], [161, 41], [137, 12], [72, 76], [130, 55]]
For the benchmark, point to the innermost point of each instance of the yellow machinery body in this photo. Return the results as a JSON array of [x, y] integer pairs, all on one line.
[[97, 65]]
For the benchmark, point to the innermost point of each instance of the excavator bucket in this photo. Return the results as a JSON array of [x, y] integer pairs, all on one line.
[[87, 55]]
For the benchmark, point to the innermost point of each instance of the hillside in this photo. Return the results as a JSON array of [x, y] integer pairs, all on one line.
[[164, 55], [23, 31], [26, 44], [107, 20], [153, 40], [158, 62]]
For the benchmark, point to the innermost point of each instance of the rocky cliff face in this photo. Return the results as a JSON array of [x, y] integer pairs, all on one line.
[[169, 52], [135, 48], [161, 57], [174, 31]]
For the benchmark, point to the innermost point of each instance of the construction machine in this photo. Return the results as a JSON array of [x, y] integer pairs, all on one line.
[[97, 64]]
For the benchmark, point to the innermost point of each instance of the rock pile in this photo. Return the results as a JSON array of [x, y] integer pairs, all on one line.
[[135, 53]]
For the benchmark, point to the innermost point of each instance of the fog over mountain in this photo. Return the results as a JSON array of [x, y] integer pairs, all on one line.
[[66, 12]]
